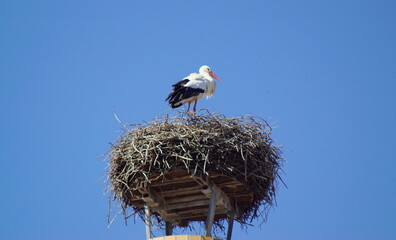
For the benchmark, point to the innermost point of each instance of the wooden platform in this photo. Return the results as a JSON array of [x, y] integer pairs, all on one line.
[[178, 197]]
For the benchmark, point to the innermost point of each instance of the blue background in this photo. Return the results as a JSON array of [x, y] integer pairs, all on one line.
[[322, 72]]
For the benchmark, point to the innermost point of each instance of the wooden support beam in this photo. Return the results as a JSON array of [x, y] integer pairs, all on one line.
[[199, 179], [222, 198], [147, 220], [211, 213]]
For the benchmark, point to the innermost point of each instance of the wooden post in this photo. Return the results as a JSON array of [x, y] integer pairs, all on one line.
[[168, 228], [147, 220], [211, 213], [230, 224]]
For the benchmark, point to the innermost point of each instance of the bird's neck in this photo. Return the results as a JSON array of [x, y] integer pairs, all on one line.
[[207, 76]]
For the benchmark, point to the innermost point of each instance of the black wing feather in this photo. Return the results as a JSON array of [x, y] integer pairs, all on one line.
[[180, 92]]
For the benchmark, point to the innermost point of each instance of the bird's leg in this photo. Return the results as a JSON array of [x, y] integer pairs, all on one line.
[[195, 106], [188, 109]]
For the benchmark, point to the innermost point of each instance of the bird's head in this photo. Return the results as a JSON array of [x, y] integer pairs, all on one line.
[[206, 69]]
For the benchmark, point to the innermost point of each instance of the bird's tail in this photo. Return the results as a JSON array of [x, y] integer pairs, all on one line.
[[175, 105]]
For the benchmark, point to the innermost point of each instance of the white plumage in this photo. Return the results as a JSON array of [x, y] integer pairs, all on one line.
[[192, 88]]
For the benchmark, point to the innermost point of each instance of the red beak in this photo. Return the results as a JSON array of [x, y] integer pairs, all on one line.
[[214, 75]]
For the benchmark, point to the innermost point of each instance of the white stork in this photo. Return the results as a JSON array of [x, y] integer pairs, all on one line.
[[192, 88]]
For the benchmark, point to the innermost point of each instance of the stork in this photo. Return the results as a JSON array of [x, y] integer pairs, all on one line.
[[192, 88]]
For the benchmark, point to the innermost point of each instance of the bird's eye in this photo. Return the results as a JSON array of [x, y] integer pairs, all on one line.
[[208, 69]]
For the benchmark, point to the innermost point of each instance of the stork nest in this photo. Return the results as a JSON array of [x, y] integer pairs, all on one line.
[[240, 147]]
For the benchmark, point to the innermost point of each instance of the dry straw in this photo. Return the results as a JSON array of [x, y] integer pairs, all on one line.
[[240, 147]]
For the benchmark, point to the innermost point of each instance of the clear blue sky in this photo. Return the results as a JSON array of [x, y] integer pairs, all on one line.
[[322, 72]]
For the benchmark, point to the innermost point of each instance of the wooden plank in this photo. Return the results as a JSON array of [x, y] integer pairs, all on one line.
[[165, 215], [194, 214], [250, 195], [233, 184], [180, 191], [174, 185], [184, 205], [203, 211], [190, 198], [169, 194], [162, 182]]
